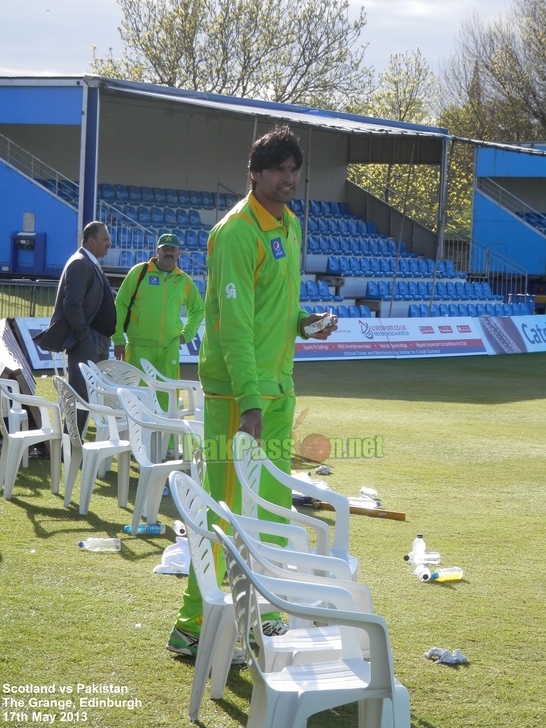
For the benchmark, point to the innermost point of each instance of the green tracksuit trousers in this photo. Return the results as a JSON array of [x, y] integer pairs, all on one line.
[[165, 359], [222, 417]]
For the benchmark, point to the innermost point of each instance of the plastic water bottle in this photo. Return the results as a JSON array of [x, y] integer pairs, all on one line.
[[153, 529], [454, 573], [422, 572], [419, 554], [106, 545]]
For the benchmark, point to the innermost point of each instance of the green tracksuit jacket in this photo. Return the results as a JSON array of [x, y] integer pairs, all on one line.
[[252, 312], [155, 313]]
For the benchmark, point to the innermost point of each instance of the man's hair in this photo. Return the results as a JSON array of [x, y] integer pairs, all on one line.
[[91, 229], [273, 149]]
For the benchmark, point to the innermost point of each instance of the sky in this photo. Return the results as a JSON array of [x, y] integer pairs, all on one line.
[[55, 37]]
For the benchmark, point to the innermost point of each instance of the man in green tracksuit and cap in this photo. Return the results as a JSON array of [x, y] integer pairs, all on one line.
[[252, 319], [155, 330]]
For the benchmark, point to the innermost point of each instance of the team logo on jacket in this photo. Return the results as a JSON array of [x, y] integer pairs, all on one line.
[[277, 249], [153, 280], [231, 291]]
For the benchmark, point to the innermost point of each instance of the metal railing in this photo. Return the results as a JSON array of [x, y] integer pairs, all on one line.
[[502, 197], [38, 171], [27, 299]]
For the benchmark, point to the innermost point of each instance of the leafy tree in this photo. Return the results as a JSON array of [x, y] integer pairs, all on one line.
[[304, 53], [405, 92]]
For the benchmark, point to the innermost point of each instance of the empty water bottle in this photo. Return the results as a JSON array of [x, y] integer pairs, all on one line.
[[454, 573], [419, 554], [106, 545], [422, 572], [152, 529]]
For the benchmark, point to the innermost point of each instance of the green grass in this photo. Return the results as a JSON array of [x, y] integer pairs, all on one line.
[[463, 458]]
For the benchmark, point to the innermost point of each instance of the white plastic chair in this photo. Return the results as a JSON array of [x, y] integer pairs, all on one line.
[[152, 476], [193, 389], [218, 634], [17, 416], [91, 454], [249, 459], [290, 696], [16, 443], [303, 642]]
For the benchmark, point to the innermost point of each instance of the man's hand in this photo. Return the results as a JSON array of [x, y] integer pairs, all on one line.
[[119, 352], [252, 423], [322, 335]]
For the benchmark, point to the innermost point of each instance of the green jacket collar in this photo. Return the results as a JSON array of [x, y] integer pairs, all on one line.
[[265, 219]]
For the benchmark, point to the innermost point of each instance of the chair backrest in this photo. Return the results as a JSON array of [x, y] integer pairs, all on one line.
[[68, 400], [364, 311], [136, 415], [414, 311], [453, 309], [490, 309]]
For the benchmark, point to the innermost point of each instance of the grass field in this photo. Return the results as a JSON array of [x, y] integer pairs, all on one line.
[[463, 457]]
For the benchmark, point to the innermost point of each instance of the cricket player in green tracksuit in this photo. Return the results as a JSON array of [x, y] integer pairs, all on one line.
[[155, 329], [252, 318]]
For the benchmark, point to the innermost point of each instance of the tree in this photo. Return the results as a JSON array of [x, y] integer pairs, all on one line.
[[405, 92], [304, 53]]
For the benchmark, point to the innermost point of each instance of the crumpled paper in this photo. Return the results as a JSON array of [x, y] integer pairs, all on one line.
[[445, 657], [176, 558]]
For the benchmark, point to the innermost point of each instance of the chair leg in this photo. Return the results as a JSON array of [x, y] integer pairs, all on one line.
[[212, 615], [223, 655], [90, 469], [140, 498], [13, 461], [3, 461], [154, 495], [55, 463], [370, 711], [124, 468], [71, 470], [24, 426]]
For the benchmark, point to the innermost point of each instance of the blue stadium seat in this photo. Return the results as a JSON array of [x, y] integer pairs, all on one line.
[[324, 245], [342, 226], [184, 198], [335, 245], [424, 271], [304, 296], [181, 235], [355, 266], [372, 290], [199, 263], [440, 292], [325, 209], [220, 198], [352, 227], [453, 309], [335, 210], [470, 291], [385, 267], [195, 199], [141, 256], [323, 227], [499, 309], [319, 309], [472, 310], [122, 194], [374, 246], [192, 241], [508, 310], [125, 237], [444, 310], [313, 291], [384, 248], [371, 227], [354, 247], [147, 195], [375, 267], [452, 291], [486, 288], [134, 194], [157, 216], [312, 226], [297, 207], [203, 239], [308, 309], [362, 228], [345, 246], [403, 268], [413, 265], [182, 219], [324, 291], [107, 191], [313, 247], [413, 311], [435, 310], [463, 309], [150, 239], [67, 190], [185, 263], [490, 309], [333, 228], [414, 291], [170, 217], [195, 220], [423, 290], [160, 198], [384, 291], [460, 289], [131, 212], [171, 197], [525, 309], [424, 309], [344, 209], [138, 238], [365, 266], [481, 309], [231, 200], [332, 266], [126, 259], [342, 311], [344, 266], [314, 208], [208, 201], [365, 311], [354, 312], [396, 296], [331, 309], [364, 246]]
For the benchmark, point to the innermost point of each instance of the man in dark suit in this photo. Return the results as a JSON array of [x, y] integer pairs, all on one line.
[[84, 318]]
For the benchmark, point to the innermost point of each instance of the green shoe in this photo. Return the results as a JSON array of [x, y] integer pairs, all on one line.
[[186, 644]]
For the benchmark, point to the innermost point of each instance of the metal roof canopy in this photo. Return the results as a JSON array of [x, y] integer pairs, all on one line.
[[371, 141]]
